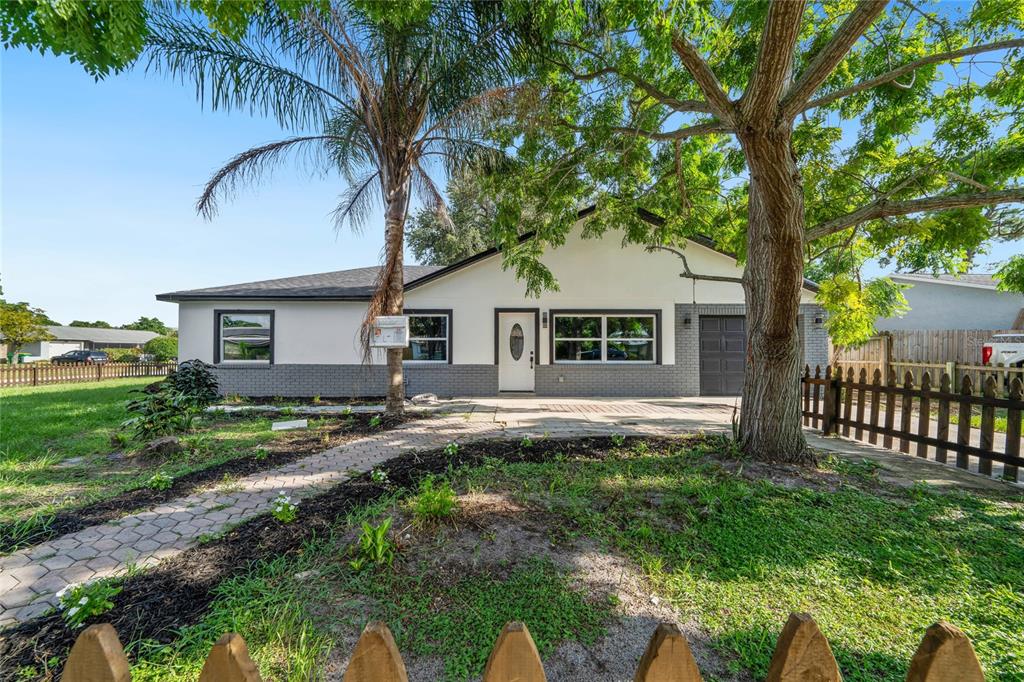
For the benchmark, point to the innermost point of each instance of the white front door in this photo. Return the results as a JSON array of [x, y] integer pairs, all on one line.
[[516, 348]]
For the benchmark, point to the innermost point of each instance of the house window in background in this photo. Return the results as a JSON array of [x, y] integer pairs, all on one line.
[[604, 338], [428, 337], [244, 336]]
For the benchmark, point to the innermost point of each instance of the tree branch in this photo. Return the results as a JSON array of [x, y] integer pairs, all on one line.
[[680, 134], [774, 66], [705, 78], [885, 209], [696, 106], [909, 68], [826, 61], [690, 274]]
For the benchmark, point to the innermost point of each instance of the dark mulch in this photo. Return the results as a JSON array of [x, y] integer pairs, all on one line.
[[298, 444], [306, 400], [177, 592]]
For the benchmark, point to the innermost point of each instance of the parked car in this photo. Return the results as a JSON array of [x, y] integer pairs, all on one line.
[[89, 357], [1004, 349]]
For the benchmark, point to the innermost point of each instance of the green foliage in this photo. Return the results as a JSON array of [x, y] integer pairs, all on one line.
[[160, 481], [379, 476], [436, 241], [860, 306], [375, 421], [435, 501], [526, 442], [618, 439], [80, 602], [122, 354], [98, 324], [148, 324], [159, 413], [21, 324], [374, 546], [283, 509], [163, 348], [451, 449], [195, 380], [1010, 275]]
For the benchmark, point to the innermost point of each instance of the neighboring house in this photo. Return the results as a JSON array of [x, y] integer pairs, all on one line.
[[84, 338], [970, 301], [623, 323]]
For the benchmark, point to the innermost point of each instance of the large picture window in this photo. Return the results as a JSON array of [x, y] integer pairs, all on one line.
[[429, 337], [592, 337], [244, 336]]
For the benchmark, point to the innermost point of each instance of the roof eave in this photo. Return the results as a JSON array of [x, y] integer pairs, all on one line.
[[178, 298]]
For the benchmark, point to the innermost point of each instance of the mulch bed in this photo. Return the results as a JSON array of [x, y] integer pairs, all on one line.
[[177, 592], [302, 444], [306, 400]]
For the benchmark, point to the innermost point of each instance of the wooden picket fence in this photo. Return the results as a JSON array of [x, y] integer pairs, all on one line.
[[851, 404], [802, 654], [38, 375]]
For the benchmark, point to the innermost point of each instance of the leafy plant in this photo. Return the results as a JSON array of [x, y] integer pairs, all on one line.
[[451, 449], [260, 454], [196, 382], [283, 509], [163, 348], [375, 421], [379, 476], [160, 413], [526, 442], [159, 481], [618, 439], [435, 501], [78, 602], [374, 546]]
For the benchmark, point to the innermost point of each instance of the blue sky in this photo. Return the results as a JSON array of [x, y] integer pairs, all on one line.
[[99, 181]]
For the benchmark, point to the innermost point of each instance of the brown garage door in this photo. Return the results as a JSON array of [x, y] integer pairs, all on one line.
[[723, 353]]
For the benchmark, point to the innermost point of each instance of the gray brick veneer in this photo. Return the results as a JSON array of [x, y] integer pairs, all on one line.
[[679, 379]]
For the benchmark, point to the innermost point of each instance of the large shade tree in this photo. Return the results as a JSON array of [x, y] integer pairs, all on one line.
[[806, 138], [385, 95]]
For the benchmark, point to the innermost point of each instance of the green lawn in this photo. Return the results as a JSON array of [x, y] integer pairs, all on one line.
[[874, 564]]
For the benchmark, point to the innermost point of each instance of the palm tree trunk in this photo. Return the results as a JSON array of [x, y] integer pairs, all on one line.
[[394, 300]]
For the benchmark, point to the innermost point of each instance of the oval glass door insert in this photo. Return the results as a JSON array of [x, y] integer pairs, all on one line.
[[515, 341]]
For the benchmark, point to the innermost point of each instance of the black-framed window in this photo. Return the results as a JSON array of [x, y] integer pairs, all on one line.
[[591, 337], [430, 336], [244, 336]]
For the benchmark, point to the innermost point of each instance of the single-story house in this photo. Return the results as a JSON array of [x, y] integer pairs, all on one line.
[[968, 301], [622, 323], [67, 339]]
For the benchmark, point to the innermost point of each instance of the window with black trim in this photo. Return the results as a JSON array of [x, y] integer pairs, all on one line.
[[244, 336], [429, 337], [591, 337]]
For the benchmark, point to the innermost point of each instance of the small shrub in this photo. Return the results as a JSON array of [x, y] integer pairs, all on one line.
[[374, 546], [451, 449], [159, 414], [435, 501], [526, 442], [159, 481], [375, 421], [379, 476], [618, 439], [260, 454], [316, 399], [82, 601], [162, 348], [120, 439], [283, 509], [195, 380], [122, 354]]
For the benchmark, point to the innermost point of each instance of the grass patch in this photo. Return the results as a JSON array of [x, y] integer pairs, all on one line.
[[1000, 422]]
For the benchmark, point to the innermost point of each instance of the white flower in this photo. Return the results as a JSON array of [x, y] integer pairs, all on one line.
[[72, 611], [83, 601]]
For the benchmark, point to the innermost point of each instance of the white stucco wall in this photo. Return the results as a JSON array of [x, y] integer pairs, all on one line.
[[592, 274], [949, 306]]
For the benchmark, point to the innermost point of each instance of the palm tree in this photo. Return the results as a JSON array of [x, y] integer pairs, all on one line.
[[388, 101]]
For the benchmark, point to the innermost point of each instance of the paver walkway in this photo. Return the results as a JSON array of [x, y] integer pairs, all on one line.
[[30, 578]]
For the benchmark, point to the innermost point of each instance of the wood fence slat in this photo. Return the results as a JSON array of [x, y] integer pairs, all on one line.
[[988, 426], [376, 657], [876, 386], [963, 427], [514, 657], [924, 414], [945, 655], [668, 658], [860, 404], [942, 430], [229, 661], [807, 395], [906, 407], [830, 407], [890, 409], [97, 656], [40, 375], [847, 401], [802, 653], [1013, 425], [817, 392]]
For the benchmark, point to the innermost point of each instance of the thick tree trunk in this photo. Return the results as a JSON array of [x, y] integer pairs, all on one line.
[[394, 300], [770, 420]]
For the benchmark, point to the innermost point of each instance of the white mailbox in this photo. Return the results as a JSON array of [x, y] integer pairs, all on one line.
[[390, 332]]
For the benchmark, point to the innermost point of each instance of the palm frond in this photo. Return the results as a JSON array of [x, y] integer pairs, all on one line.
[[356, 203], [250, 165], [430, 195]]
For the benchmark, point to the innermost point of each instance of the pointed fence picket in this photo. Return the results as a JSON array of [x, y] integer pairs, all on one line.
[[839, 401], [802, 654]]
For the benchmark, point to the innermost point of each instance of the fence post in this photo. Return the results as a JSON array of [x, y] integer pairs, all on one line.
[[951, 371], [35, 375], [99, 371], [830, 411], [886, 355]]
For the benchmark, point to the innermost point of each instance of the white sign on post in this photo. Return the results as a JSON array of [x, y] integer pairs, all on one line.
[[390, 332]]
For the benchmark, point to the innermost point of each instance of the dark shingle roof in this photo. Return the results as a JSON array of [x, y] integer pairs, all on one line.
[[100, 336], [343, 285]]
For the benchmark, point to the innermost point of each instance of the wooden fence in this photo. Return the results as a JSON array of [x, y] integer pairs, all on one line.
[[802, 654], [837, 403], [920, 345], [39, 375]]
